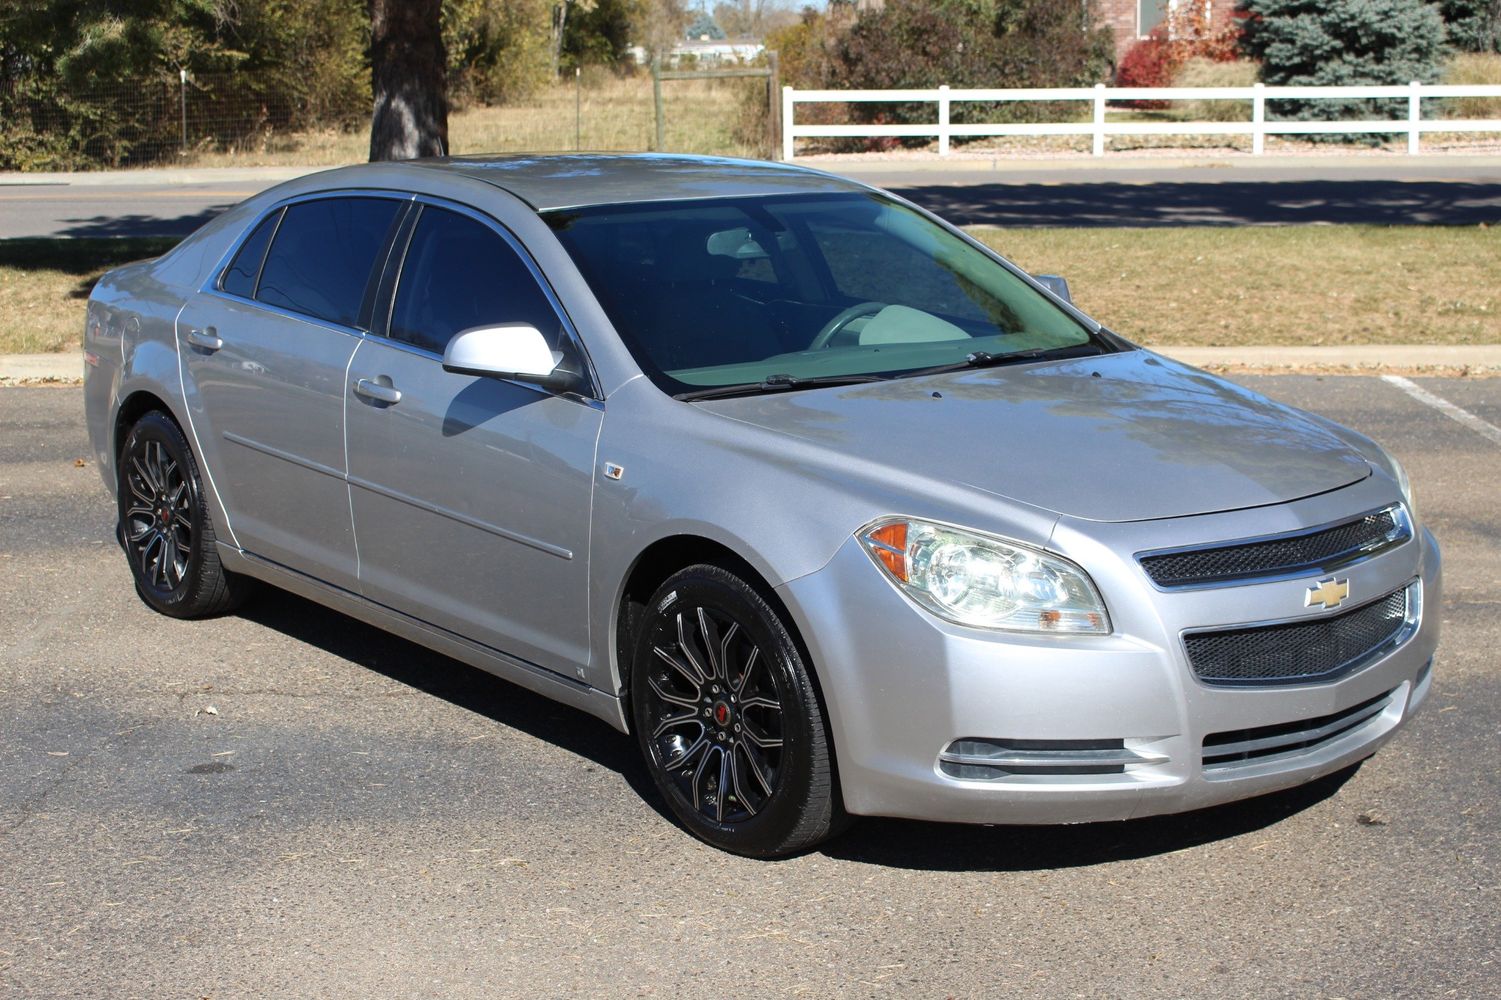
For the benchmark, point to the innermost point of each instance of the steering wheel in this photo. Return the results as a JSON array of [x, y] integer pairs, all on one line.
[[839, 322]]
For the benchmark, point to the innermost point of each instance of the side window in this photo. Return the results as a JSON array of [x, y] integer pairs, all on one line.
[[239, 278], [320, 261], [1149, 14], [459, 274]]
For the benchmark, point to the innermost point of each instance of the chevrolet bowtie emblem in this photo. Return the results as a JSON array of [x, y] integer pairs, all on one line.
[[1330, 593]]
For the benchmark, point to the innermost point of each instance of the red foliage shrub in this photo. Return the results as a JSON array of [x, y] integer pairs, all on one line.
[[1190, 32]]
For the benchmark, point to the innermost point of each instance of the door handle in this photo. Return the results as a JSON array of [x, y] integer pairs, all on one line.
[[378, 392], [207, 339]]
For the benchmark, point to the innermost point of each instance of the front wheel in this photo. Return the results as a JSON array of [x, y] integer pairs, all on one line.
[[729, 720], [165, 525]]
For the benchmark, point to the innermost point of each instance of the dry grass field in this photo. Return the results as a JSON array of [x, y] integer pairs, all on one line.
[[605, 113], [44, 283], [1309, 285], [1171, 287]]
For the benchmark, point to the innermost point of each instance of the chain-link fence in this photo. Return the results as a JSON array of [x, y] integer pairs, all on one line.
[[46, 125], [224, 121]]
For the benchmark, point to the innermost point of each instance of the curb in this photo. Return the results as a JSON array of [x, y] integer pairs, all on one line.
[[158, 176], [1460, 359], [1368, 166]]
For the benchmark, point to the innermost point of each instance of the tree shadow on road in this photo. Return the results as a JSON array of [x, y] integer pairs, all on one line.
[[892, 843], [140, 225], [1207, 203]]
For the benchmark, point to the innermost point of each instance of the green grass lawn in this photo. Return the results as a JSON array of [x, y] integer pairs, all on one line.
[[1171, 287]]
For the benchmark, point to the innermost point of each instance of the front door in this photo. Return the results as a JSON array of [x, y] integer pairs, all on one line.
[[471, 496]]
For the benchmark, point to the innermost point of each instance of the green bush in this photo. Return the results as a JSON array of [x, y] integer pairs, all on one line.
[[1473, 25], [1343, 42], [970, 43]]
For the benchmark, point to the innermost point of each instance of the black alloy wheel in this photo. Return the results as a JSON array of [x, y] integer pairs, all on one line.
[[728, 718], [165, 526]]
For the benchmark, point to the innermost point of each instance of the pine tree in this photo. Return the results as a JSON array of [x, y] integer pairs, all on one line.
[[1474, 25], [1341, 43]]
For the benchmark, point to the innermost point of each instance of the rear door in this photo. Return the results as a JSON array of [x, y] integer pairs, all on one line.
[[264, 354], [471, 496]]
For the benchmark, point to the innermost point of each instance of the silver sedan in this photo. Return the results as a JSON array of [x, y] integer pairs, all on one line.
[[835, 510]]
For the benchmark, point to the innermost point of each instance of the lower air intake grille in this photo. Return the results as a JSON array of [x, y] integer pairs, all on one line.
[[1247, 746], [1300, 651]]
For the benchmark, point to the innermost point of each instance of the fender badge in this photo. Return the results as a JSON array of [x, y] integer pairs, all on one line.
[[613, 471], [1330, 593]]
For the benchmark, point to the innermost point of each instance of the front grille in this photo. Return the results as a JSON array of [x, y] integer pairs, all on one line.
[[1320, 550], [1244, 746], [1313, 650]]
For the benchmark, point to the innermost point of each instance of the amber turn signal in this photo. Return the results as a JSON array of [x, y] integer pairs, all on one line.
[[891, 548]]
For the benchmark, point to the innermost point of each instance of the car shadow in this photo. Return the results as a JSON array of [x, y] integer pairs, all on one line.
[[457, 683], [891, 843], [962, 847]]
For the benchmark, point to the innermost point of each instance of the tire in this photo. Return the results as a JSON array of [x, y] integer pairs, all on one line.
[[729, 720], [165, 527]]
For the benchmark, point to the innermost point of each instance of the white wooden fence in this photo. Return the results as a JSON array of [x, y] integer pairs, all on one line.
[[1258, 128]]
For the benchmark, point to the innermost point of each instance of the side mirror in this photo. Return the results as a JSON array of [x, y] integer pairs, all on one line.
[[1056, 284], [507, 350]]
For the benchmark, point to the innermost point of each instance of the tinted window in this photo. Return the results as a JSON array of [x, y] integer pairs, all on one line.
[[729, 292], [460, 274], [320, 261], [240, 278]]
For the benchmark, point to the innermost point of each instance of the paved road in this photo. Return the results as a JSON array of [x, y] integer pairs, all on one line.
[[1465, 192], [115, 210], [287, 803]]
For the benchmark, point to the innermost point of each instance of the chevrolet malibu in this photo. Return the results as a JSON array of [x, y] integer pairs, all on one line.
[[834, 509]]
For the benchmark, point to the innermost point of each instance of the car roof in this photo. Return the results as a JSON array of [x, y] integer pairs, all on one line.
[[578, 180]]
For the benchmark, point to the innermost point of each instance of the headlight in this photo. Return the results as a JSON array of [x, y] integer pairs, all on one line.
[[1404, 484], [984, 582]]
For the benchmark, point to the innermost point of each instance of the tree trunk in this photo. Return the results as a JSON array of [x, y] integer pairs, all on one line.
[[408, 76], [559, 19]]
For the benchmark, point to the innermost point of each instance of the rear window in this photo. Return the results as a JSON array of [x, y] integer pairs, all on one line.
[[320, 262]]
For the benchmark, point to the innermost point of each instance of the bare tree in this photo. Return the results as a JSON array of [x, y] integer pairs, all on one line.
[[408, 76]]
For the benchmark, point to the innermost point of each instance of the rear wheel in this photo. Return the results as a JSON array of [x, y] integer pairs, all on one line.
[[728, 718], [165, 525]]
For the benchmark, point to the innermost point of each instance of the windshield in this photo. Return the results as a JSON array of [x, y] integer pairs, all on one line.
[[803, 289]]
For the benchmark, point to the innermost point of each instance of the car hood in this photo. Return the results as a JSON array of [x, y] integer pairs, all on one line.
[[1121, 437]]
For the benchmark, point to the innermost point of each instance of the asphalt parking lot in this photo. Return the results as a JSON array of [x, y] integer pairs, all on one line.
[[288, 803]]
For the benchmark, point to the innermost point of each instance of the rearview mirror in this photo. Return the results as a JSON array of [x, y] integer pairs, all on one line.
[[1056, 284], [507, 350]]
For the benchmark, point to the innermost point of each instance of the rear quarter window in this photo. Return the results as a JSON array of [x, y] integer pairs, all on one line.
[[239, 278]]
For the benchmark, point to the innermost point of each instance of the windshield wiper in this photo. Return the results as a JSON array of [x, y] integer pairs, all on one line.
[[775, 383], [985, 359]]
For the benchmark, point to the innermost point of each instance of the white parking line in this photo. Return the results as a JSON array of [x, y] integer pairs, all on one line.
[[1448, 409]]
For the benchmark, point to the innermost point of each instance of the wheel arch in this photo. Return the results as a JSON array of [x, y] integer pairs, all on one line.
[[131, 409], [666, 556]]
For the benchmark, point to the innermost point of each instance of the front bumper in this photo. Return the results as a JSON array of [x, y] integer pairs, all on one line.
[[901, 686]]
